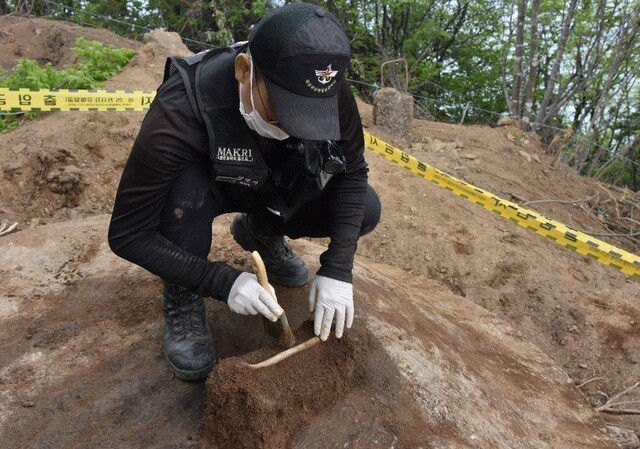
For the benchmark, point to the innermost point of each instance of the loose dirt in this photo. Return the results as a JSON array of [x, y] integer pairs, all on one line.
[[246, 406], [81, 361]]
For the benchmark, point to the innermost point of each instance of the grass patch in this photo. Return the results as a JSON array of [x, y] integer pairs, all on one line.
[[95, 63]]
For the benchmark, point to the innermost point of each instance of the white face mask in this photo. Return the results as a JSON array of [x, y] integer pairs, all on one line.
[[255, 121]]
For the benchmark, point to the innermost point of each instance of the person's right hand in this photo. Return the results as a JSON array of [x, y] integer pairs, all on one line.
[[248, 297]]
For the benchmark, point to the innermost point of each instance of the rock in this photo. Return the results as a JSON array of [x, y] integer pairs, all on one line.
[[393, 112], [508, 121], [64, 180], [165, 39], [468, 156], [19, 148], [526, 155], [510, 137], [627, 438], [438, 145], [536, 158]]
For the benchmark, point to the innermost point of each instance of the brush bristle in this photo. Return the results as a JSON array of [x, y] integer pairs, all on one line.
[[280, 331]]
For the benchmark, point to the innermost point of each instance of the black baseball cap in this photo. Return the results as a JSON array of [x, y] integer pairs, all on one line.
[[302, 52]]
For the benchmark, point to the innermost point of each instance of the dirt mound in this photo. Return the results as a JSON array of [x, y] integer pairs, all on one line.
[[68, 165], [249, 408], [47, 40], [82, 363], [584, 315], [64, 166]]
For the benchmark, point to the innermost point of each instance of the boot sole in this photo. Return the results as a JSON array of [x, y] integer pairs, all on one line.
[[247, 244], [190, 375]]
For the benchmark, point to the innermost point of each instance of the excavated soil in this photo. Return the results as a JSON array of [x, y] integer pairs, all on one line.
[[81, 361], [82, 364], [249, 408]]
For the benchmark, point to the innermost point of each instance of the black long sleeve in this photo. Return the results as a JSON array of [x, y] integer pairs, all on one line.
[[170, 138], [346, 192]]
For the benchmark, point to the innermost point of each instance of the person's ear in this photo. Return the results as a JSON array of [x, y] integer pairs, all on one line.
[[242, 68]]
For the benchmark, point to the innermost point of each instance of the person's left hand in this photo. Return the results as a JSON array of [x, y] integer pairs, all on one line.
[[331, 298]]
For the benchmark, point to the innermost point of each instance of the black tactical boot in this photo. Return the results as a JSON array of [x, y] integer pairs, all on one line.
[[188, 345], [283, 265]]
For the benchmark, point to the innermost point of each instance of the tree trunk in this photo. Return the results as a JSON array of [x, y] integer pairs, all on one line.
[[628, 33], [533, 66], [551, 82], [514, 108], [505, 52], [626, 150]]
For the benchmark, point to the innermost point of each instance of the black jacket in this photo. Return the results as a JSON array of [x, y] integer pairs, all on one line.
[[189, 124]]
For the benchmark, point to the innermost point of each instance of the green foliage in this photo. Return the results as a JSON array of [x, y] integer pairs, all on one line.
[[28, 74], [97, 63], [457, 51], [101, 62]]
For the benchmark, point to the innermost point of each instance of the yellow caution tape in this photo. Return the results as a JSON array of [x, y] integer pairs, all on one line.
[[118, 100], [570, 238], [73, 100]]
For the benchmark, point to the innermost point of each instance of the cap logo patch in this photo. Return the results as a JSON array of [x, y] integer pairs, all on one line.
[[325, 76]]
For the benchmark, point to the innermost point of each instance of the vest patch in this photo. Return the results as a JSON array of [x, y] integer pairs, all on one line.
[[231, 154]]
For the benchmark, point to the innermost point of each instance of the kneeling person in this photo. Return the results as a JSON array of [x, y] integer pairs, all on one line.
[[269, 129]]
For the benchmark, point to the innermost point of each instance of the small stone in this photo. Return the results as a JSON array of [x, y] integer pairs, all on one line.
[[526, 155], [573, 328], [536, 158], [438, 145], [468, 156], [18, 148], [507, 121], [625, 437]]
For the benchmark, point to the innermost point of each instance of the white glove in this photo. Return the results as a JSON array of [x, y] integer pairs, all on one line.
[[248, 297], [330, 297]]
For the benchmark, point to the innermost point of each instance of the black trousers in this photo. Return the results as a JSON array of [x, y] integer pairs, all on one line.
[[192, 204]]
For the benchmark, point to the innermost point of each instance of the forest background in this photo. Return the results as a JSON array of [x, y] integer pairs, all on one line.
[[568, 70]]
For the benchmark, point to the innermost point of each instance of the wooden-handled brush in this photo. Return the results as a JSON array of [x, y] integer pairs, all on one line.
[[279, 330]]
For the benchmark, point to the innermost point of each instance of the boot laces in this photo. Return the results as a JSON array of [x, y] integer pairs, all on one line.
[[277, 247], [186, 315]]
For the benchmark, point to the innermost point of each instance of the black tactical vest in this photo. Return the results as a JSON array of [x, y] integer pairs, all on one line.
[[234, 150]]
